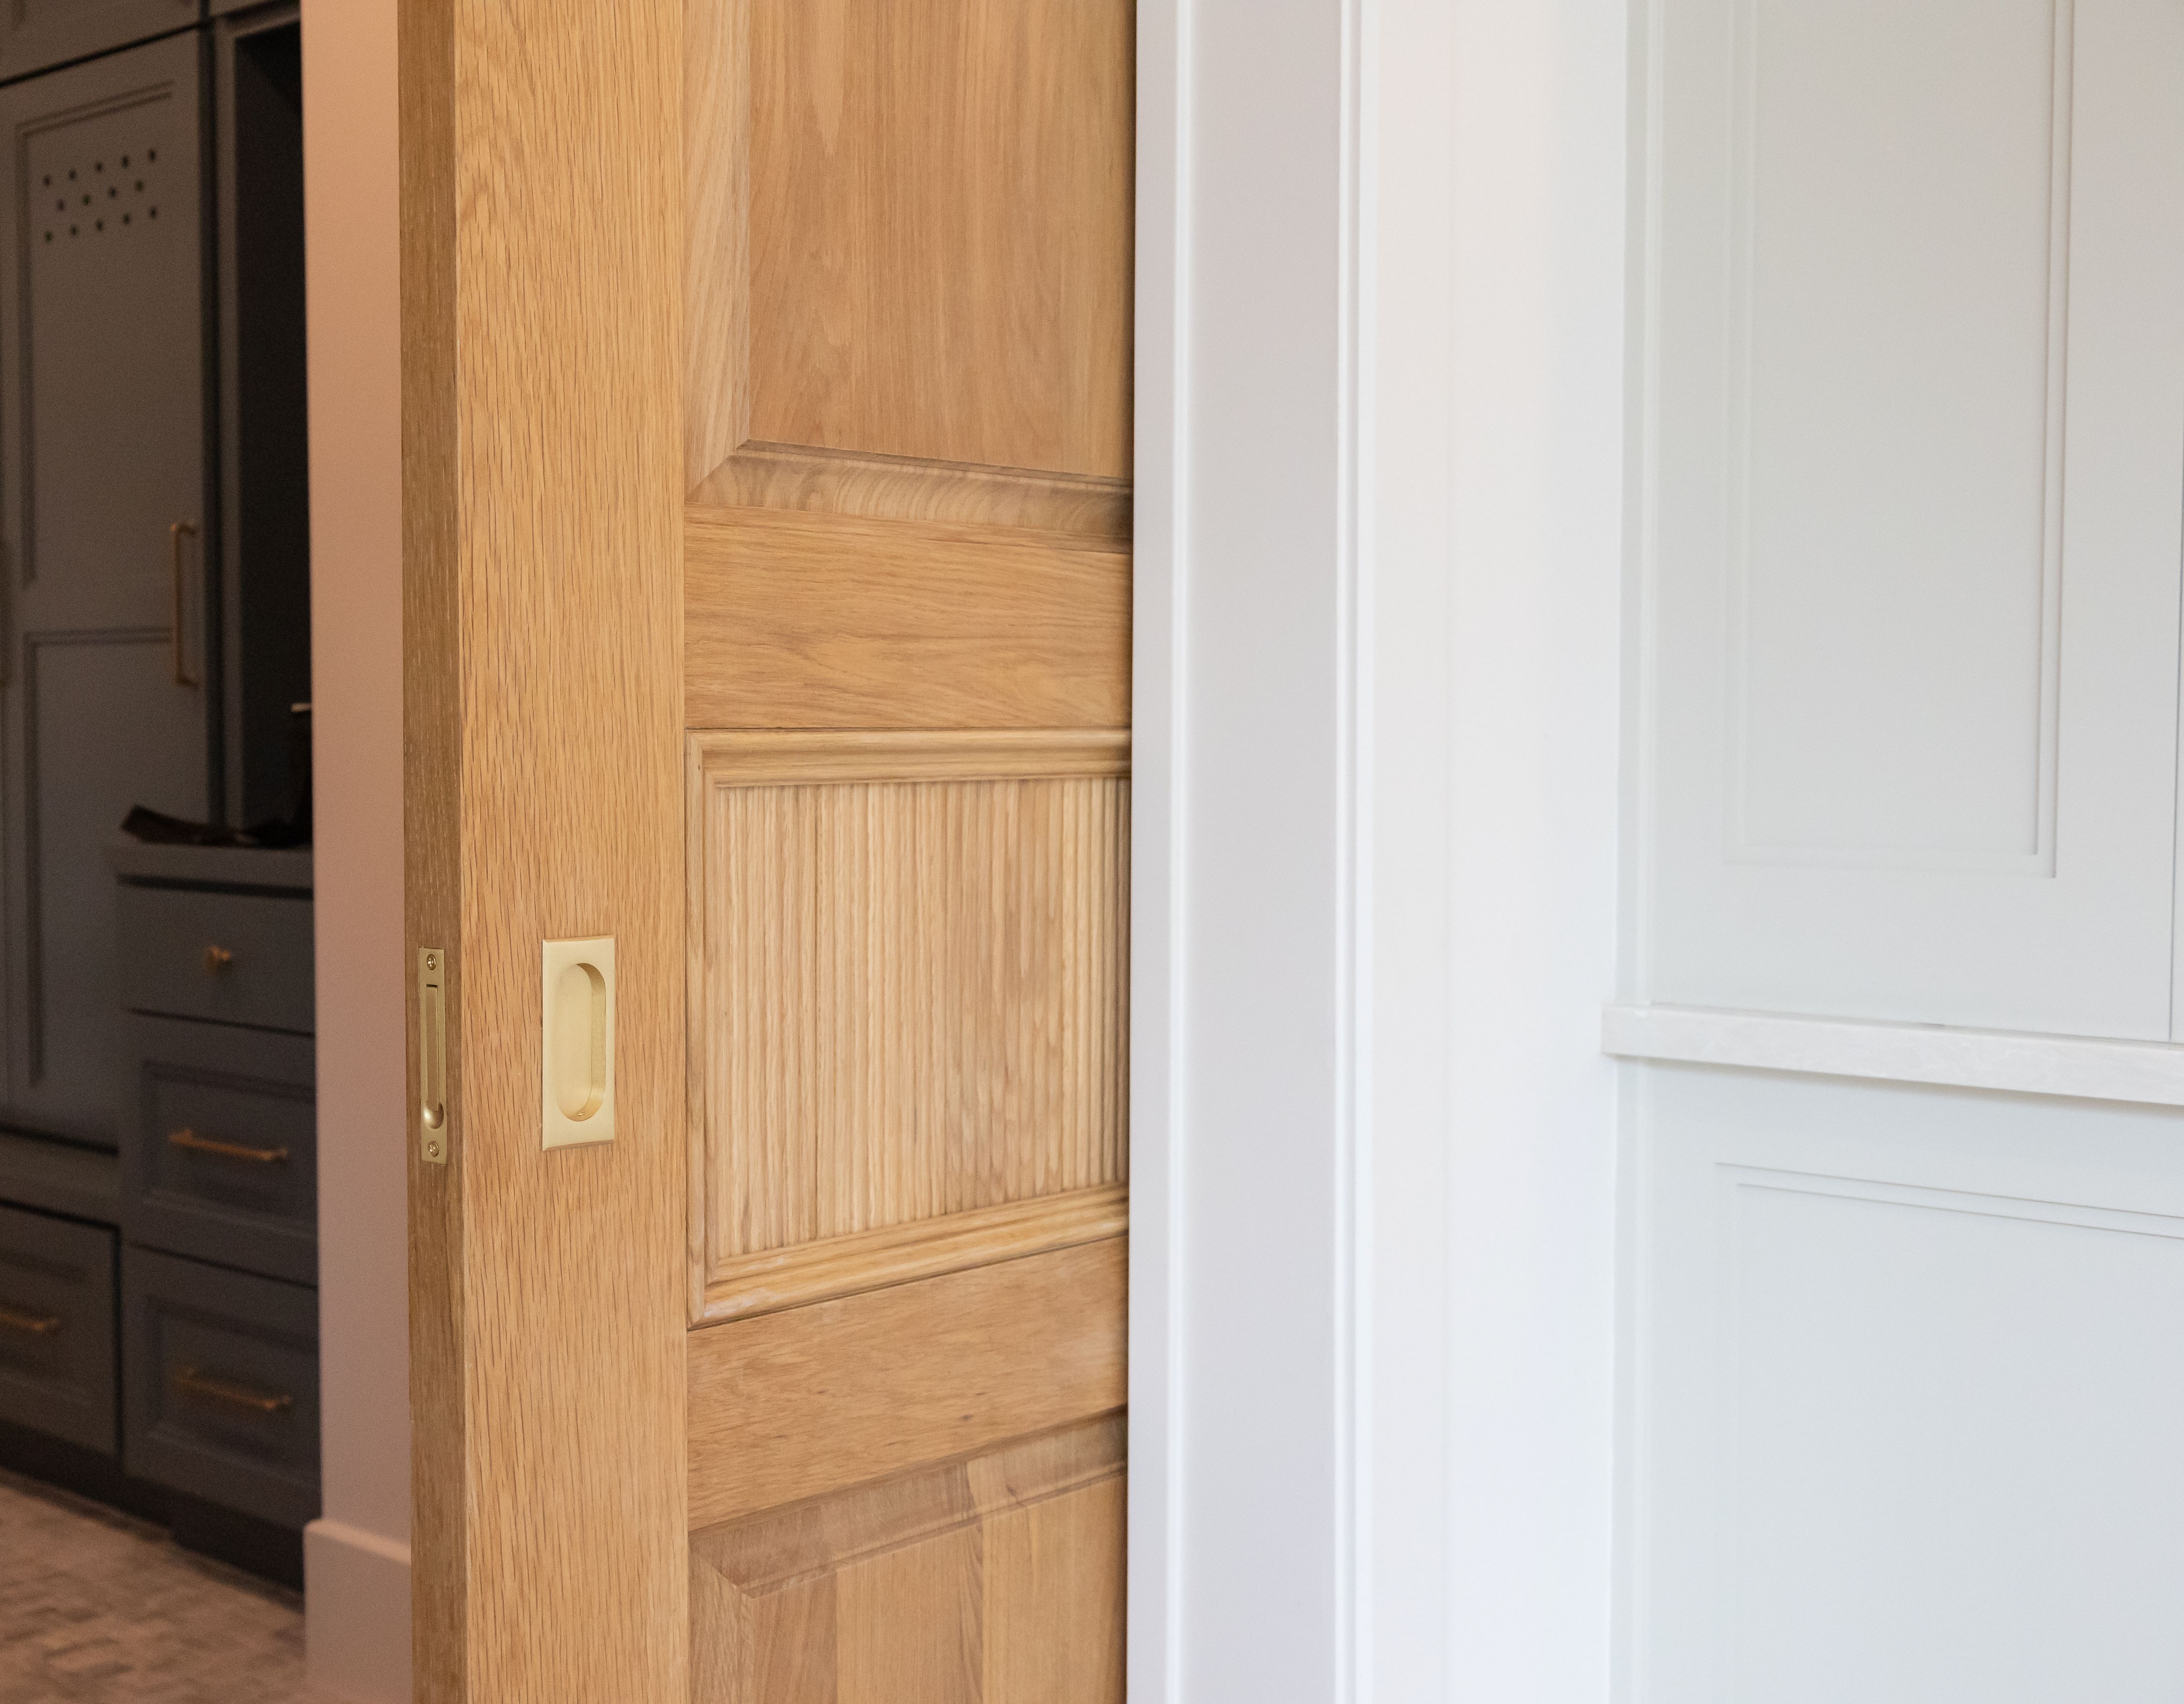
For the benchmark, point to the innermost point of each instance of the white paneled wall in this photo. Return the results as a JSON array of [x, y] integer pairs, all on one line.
[[1912, 1377], [1912, 517], [1901, 1368]]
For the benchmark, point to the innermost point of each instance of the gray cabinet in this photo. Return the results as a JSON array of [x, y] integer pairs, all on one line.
[[220, 1372], [104, 639], [219, 1176], [158, 1100], [57, 1327], [220, 955], [221, 1161], [35, 34]]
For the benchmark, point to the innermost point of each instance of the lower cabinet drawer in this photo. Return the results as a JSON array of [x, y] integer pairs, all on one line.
[[57, 1327], [220, 1148], [221, 1373]]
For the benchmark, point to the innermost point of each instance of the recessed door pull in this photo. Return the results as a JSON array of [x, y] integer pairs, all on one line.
[[575, 1042], [432, 1055]]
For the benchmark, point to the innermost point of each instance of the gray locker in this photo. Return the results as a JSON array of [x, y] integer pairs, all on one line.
[[104, 696], [35, 34]]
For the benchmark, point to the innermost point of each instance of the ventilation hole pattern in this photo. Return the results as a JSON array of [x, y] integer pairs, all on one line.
[[107, 195]]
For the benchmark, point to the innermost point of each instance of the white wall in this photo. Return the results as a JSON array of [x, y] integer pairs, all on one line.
[[357, 1557]]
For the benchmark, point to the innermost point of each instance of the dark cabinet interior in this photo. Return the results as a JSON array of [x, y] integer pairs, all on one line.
[[266, 539], [158, 1195]]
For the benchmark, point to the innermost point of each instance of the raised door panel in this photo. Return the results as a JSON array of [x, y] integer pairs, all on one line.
[[915, 1491], [995, 1580], [908, 364], [35, 34], [910, 979], [101, 459], [910, 233], [1915, 480], [907, 686]]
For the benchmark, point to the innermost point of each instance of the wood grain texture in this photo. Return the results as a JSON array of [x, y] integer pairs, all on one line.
[[543, 454], [878, 487], [995, 1579], [717, 259], [911, 230], [431, 777], [799, 619], [739, 1286], [909, 986], [803, 1403]]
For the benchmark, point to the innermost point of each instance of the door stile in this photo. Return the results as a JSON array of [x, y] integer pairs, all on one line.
[[541, 285]]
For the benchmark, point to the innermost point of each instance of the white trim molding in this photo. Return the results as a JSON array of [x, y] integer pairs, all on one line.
[[1289, 1120], [2145, 1072], [1378, 550]]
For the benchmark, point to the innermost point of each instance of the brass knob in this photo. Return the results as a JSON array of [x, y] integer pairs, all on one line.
[[216, 960]]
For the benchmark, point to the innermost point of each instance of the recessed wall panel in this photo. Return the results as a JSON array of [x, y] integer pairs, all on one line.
[[1902, 1424], [1910, 475], [1898, 393]]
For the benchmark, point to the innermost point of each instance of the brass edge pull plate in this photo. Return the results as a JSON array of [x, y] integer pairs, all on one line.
[[432, 1054], [191, 1382], [175, 533], [216, 960], [29, 1324], [189, 1139]]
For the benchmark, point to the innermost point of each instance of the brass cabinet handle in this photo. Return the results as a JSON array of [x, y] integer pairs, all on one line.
[[216, 960], [29, 1324], [188, 1139], [192, 1382], [176, 534]]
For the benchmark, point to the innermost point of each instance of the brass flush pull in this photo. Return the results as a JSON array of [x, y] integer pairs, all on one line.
[[191, 1383], [227, 1150], [29, 1324], [216, 960], [432, 1054], [176, 534]]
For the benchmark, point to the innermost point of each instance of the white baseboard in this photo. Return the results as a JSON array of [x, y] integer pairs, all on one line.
[[356, 1613]]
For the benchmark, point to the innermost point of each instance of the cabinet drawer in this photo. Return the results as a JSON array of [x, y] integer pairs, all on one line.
[[57, 1327], [220, 1146], [221, 1375], [231, 958]]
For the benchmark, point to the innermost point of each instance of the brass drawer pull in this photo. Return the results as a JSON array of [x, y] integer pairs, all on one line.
[[175, 533], [29, 1324], [192, 1382], [195, 1143], [216, 960]]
